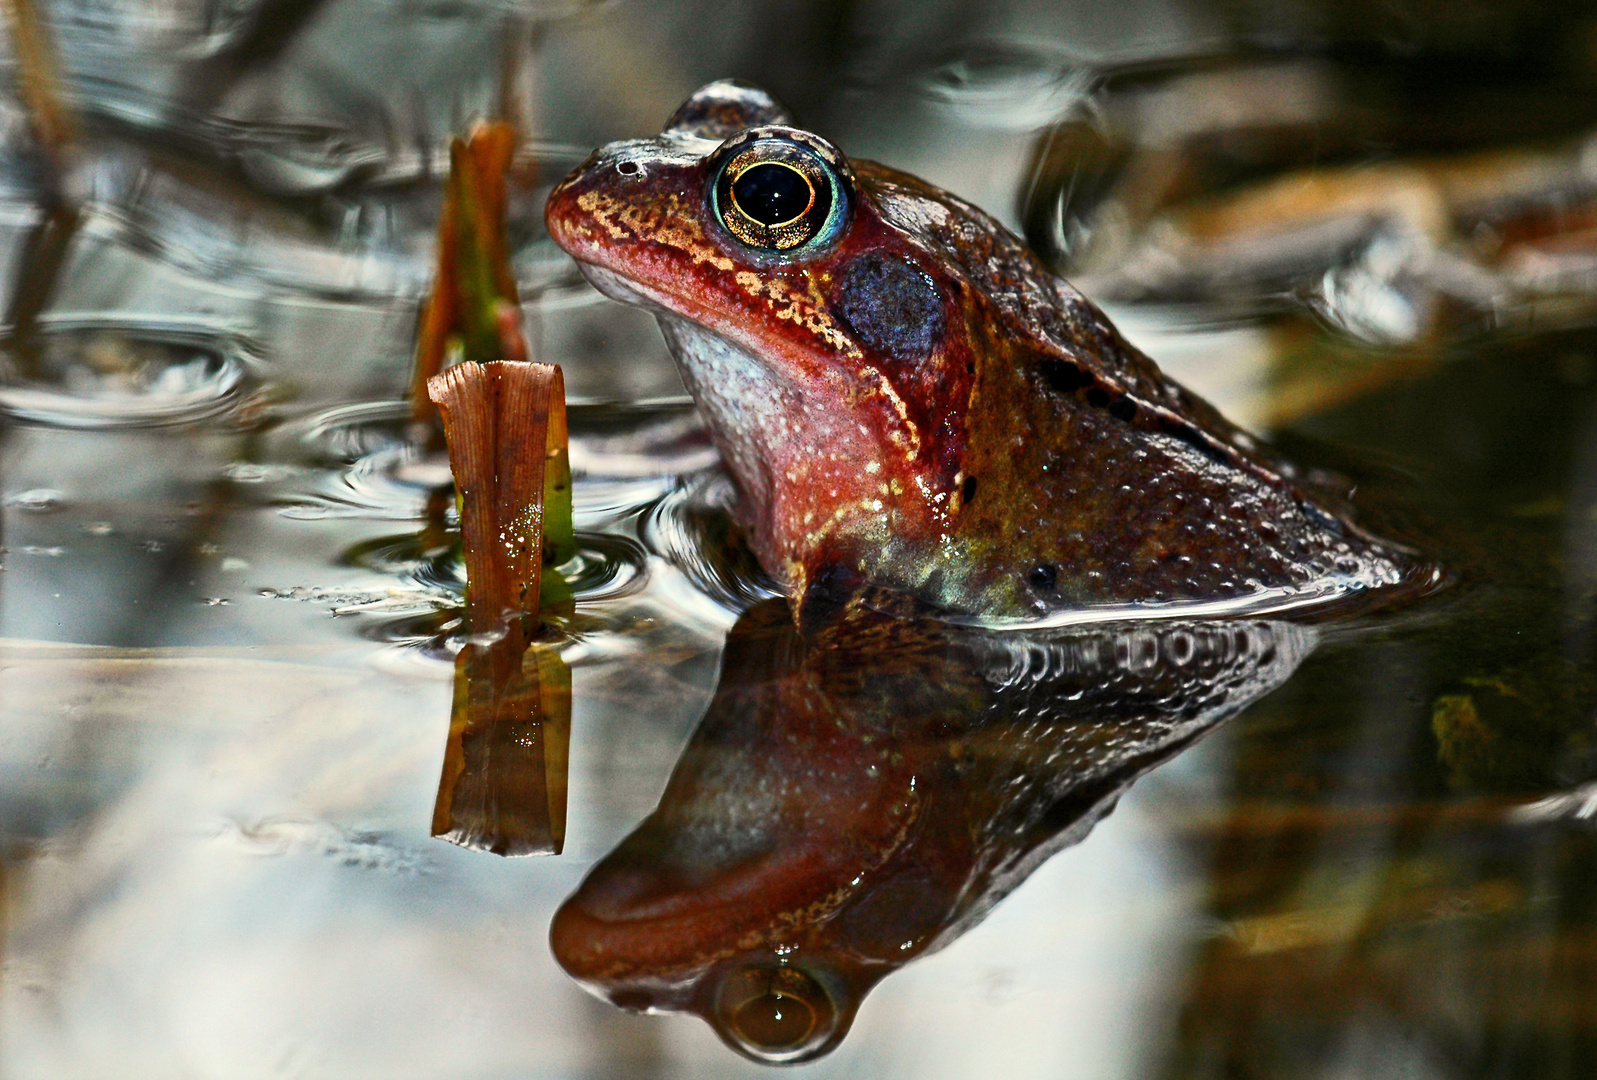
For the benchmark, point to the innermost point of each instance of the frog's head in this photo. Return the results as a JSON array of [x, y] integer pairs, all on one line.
[[815, 335]]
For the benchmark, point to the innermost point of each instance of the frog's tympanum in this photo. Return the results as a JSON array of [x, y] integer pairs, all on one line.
[[856, 798], [907, 397]]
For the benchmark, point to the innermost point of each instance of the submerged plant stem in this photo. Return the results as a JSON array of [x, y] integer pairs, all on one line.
[[474, 309]]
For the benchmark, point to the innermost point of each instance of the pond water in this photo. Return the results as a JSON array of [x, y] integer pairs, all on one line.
[[230, 606]]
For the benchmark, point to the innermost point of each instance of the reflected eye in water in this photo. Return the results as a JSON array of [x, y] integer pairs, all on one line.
[[778, 192], [774, 1013]]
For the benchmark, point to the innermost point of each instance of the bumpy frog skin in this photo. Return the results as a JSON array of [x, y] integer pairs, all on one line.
[[906, 397]]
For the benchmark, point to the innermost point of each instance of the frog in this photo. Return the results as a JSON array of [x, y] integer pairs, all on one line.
[[907, 398]]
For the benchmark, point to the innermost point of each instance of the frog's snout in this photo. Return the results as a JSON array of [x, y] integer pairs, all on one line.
[[617, 195], [574, 211]]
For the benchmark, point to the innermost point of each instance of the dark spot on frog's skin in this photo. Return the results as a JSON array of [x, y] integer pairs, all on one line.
[[1064, 377], [827, 594], [891, 307], [967, 491], [1043, 577]]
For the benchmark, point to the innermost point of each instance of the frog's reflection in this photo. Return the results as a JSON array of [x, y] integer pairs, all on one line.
[[857, 799]]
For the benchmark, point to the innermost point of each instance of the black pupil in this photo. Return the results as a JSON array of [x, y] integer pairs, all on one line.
[[775, 1021], [771, 194]]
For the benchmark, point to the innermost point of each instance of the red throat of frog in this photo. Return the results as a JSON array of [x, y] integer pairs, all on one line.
[[817, 485]]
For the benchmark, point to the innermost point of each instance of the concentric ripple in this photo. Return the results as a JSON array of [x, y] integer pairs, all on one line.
[[116, 376], [375, 464], [692, 529], [605, 566]]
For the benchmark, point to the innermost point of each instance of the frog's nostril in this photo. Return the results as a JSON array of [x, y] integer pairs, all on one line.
[[629, 168]]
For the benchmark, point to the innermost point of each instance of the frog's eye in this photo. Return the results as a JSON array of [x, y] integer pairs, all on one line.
[[778, 194], [776, 1014]]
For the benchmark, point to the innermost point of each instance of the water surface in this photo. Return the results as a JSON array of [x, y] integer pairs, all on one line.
[[230, 601]]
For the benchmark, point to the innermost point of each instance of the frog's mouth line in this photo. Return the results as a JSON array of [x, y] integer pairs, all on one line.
[[619, 287], [627, 290]]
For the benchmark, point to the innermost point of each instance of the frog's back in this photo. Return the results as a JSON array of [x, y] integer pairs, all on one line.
[[1086, 476]]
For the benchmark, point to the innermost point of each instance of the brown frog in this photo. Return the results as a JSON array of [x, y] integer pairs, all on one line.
[[906, 397]]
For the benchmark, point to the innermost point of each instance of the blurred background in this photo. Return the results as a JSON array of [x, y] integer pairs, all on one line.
[[1366, 230]]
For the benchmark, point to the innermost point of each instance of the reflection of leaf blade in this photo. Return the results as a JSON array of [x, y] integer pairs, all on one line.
[[503, 787], [553, 678]]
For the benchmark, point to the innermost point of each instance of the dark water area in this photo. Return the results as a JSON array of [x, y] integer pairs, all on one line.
[[1358, 842], [1408, 846]]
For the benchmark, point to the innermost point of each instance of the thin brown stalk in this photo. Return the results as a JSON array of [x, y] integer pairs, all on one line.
[[505, 423], [474, 307], [39, 80]]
